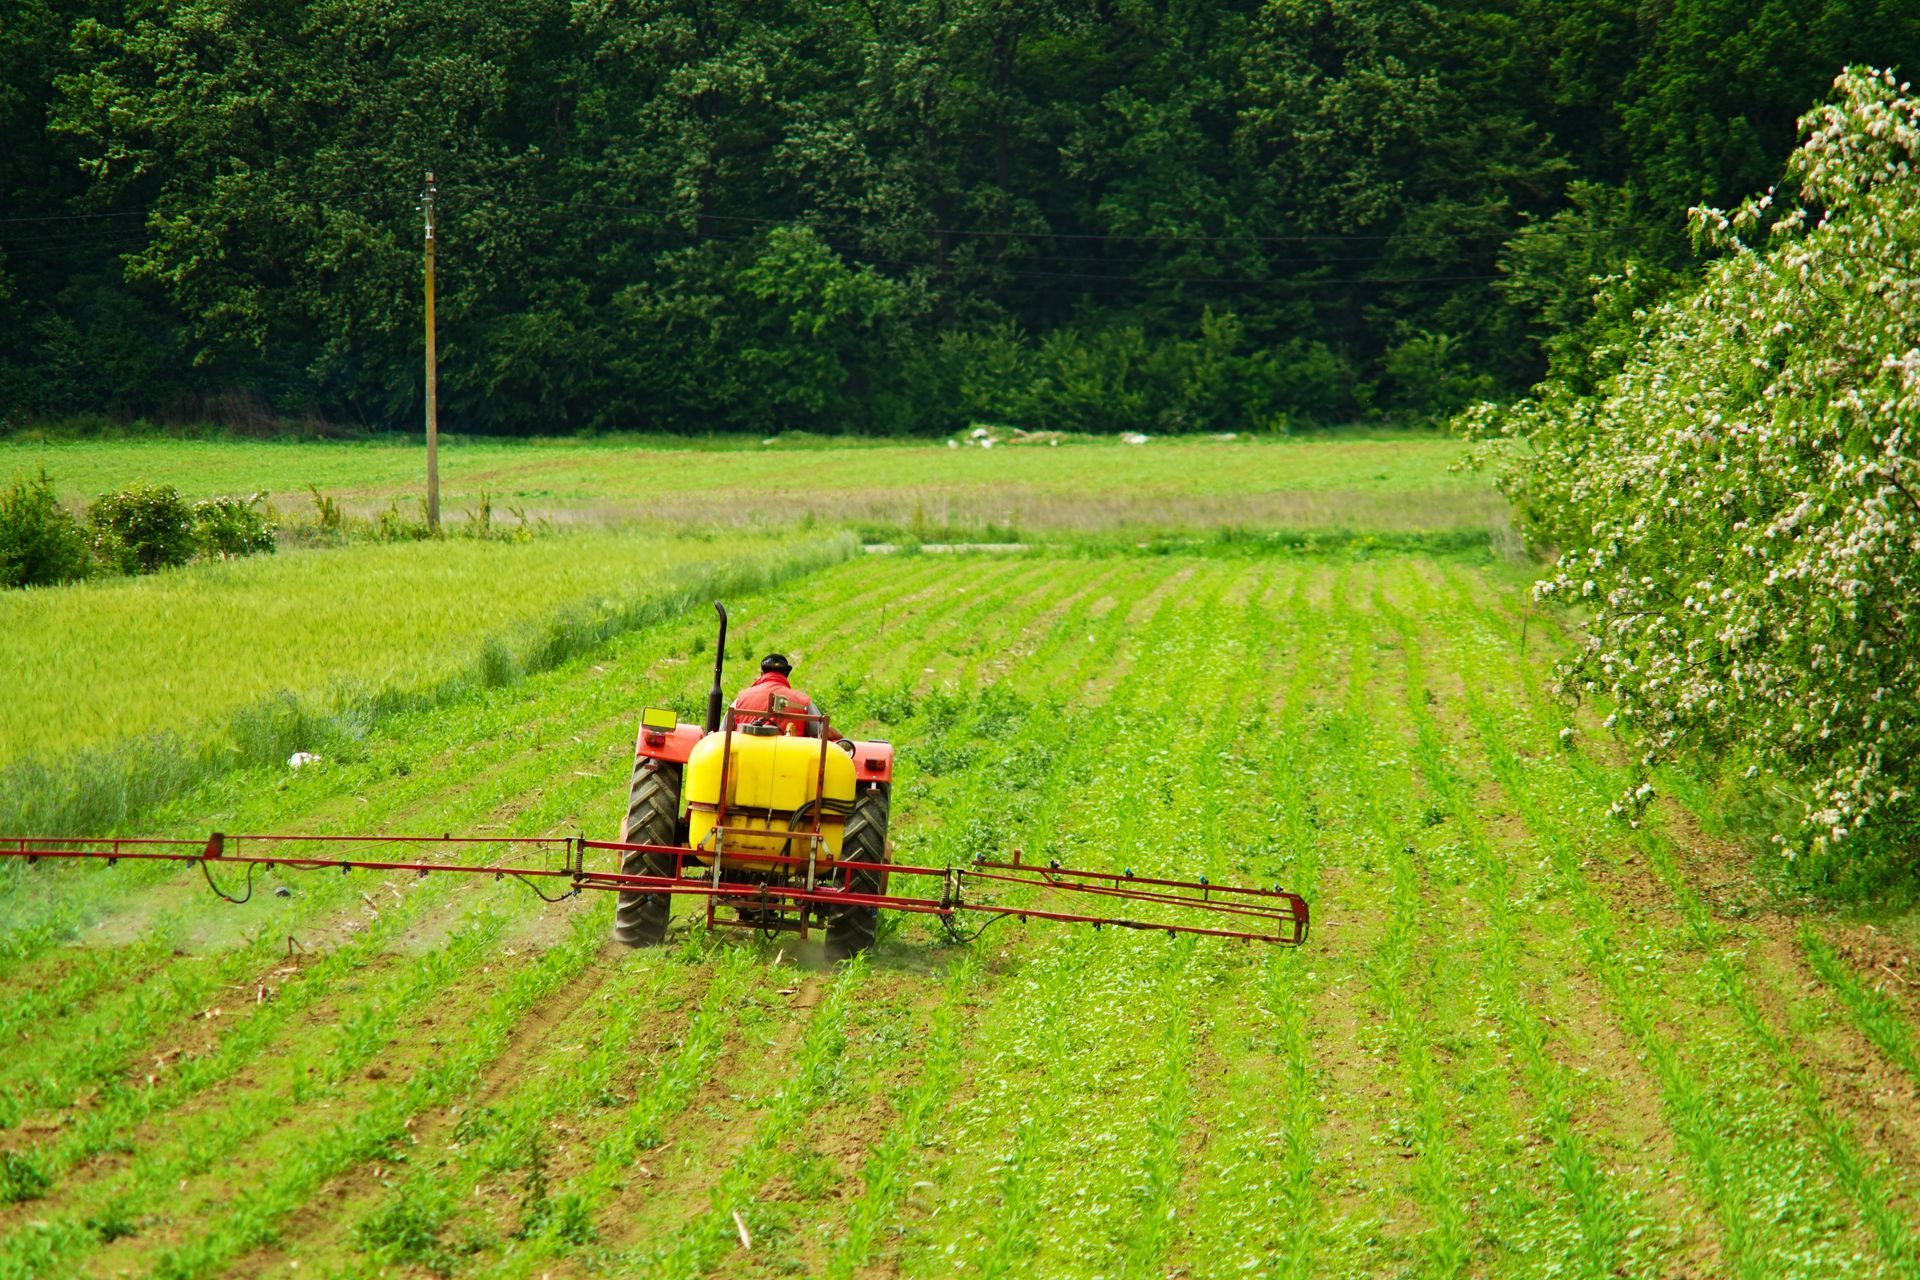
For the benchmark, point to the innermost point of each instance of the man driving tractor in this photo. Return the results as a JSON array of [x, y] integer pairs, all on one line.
[[786, 706]]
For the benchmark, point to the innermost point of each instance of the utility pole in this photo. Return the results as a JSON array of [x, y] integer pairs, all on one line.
[[433, 377]]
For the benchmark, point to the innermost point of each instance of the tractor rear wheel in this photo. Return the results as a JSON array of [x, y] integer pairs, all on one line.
[[653, 817], [852, 930]]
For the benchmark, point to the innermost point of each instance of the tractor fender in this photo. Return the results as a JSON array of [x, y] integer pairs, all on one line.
[[873, 761], [671, 745]]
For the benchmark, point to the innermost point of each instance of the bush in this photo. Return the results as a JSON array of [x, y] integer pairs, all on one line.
[[142, 528], [1118, 378], [1739, 504], [40, 541], [229, 528], [1428, 373]]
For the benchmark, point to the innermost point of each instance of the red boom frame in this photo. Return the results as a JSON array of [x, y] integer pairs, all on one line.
[[1267, 915]]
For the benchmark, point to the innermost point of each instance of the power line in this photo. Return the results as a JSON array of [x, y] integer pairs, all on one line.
[[967, 232], [129, 238], [987, 271]]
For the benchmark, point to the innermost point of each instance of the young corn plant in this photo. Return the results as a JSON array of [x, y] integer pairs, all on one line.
[[885, 1173], [813, 1073], [641, 1128], [1872, 1011], [1729, 1182], [499, 1137], [1267, 1129], [213, 1136], [256, 1214], [1602, 1214]]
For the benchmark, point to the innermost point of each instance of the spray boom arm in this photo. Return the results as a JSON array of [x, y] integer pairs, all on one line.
[[1020, 889]]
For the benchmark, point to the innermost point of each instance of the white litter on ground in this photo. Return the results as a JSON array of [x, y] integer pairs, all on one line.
[[301, 759]]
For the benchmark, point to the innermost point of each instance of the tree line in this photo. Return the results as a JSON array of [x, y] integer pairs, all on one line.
[[698, 215]]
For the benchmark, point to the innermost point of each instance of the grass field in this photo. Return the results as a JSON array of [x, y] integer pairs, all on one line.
[[1393, 483], [183, 650], [1522, 1041]]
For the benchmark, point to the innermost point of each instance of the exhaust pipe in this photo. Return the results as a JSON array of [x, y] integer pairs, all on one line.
[[716, 699]]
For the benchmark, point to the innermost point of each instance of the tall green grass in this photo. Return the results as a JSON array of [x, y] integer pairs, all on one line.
[[379, 610]]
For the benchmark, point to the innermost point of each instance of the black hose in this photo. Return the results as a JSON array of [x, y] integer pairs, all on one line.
[[219, 892], [960, 939]]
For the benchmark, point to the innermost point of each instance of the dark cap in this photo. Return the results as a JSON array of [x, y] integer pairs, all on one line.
[[776, 662]]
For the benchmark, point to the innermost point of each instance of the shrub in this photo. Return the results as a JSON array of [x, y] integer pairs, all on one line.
[[1739, 504], [40, 541], [229, 528], [1429, 373], [142, 528], [329, 516], [392, 526]]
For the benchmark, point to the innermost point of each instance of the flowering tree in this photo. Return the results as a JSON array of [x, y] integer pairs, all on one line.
[[1739, 505]]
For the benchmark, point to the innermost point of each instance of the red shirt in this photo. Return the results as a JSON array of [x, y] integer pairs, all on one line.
[[787, 705]]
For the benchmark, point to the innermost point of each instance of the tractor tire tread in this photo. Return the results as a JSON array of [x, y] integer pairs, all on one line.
[[653, 816], [854, 930]]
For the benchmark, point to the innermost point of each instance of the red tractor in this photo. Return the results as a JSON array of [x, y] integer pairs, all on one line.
[[757, 799]]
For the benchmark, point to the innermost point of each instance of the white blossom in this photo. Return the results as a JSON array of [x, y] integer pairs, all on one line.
[[1736, 507]]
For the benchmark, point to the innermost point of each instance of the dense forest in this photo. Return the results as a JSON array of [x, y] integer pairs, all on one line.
[[701, 215]]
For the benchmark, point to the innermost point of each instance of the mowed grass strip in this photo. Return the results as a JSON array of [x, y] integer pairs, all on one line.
[[664, 483]]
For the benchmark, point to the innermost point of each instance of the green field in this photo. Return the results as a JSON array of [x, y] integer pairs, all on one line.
[[1523, 1040], [182, 650], [1398, 484]]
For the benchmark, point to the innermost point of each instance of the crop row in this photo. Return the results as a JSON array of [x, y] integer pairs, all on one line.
[[1766, 1144]]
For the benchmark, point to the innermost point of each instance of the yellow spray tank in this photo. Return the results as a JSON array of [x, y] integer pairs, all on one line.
[[772, 782]]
